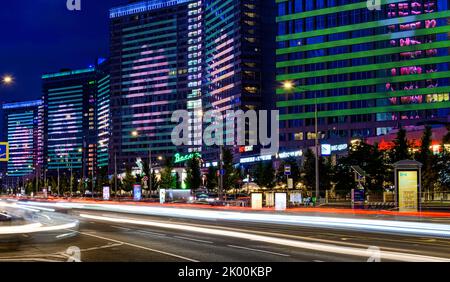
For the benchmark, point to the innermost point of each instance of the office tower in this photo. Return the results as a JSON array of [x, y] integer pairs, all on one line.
[[192, 55], [21, 130], [238, 58], [364, 71], [76, 120], [149, 78]]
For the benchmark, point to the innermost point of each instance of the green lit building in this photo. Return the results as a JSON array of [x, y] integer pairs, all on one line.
[[365, 70]]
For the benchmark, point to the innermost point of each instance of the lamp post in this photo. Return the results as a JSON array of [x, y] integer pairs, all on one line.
[[290, 86]]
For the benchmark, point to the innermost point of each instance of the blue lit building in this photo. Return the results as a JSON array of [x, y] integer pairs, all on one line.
[[194, 55], [21, 131], [76, 120]]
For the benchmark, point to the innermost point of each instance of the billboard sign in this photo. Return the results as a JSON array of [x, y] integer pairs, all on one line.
[[106, 194], [257, 200], [137, 192], [4, 151], [408, 186], [326, 149]]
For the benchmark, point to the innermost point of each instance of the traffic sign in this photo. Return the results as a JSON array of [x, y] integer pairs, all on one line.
[[287, 170], [4, 151]]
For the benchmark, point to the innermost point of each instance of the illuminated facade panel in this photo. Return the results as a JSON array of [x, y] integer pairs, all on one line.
[[76, 118], [368, 71], [22, 124]]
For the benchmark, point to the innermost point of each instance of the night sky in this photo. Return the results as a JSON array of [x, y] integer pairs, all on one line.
[[41, 36]]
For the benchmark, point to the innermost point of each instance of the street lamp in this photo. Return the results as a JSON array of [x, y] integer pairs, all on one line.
[[134, 133], [289, 86], [7, 79]]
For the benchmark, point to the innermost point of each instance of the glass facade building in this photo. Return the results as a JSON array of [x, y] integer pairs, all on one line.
[[76, 116], [362, 70], [149, 78], [21, 130], [194, 55]]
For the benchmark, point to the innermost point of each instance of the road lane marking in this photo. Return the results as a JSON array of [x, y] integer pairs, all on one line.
[[317, 247], [65, 235], [152, 233], [192, 239], [137, 246], [316, 260], [119, 227], [257, 250]]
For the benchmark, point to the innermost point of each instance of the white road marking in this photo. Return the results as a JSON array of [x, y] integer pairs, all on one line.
[[122, 228], [192, 239], [151, 233], [316, 260], [138, 246], [66, 235], [257, 250]]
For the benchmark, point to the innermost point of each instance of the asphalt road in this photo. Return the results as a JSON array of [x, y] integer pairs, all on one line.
[[99, 238]]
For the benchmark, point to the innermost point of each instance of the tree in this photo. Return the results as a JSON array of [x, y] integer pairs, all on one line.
[[167, 179], [211, 178], [429, 161], [194, 174], [370, 159], [401, 147], [155, 181], [231, 175], [129, 180], [265, 174], [443, 166], [308, 172]]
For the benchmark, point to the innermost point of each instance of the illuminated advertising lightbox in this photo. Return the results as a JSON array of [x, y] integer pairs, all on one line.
[[270, 200], [325, 149], [280, 201], [106, 194], [257, 200], [162, 196], [137, 192], [4, 152], [408, 191]]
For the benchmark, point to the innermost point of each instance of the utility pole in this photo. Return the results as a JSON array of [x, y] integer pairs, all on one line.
[[221, 174], [316, 147], [115, 173], [150, 170], [58, 180]]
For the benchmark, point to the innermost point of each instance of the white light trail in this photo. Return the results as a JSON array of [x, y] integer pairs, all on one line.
[[318, 247], [370, 225]]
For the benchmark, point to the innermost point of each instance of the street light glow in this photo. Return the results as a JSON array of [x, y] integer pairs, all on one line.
[[288, 85], [7, 79], [134, 133]]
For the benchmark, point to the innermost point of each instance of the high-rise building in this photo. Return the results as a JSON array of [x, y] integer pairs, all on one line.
[[149, 78], [362, 71], [21, 130], [194, 55], [76, 116]]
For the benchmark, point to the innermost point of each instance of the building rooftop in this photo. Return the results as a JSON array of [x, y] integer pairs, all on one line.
[[142, 6]]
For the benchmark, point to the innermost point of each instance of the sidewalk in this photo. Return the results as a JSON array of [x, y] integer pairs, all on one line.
[[295, 211]]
